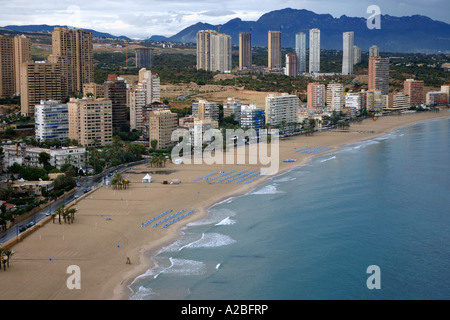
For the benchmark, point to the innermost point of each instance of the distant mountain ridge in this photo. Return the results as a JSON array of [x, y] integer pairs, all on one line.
[[397, 34], [49, 28]]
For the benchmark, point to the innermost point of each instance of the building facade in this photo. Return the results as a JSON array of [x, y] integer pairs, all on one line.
[[379, 74], [213, 51], [347, 53], [162, 123], [252, 117], [232, 108], [51, 120], [314, 50], [6, 67], [316, 96], [144, 57], [245, 50], [274, 50], [291, 64], [22, 53], [281, 109], [374, 51], [116, 91], [335, 96], [205, 110], [414, 89], [90, 121], [356, 54], [300, 50]]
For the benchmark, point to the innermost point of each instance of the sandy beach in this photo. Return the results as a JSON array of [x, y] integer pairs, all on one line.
[[108, 225]]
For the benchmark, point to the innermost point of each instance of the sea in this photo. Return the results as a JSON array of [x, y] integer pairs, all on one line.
[[317, 232]]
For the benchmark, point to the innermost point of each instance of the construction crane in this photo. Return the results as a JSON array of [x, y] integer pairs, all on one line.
[[219, 28]]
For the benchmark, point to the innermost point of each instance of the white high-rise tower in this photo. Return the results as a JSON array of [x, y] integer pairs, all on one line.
[[314, 50], [300, 49], [347, 55]]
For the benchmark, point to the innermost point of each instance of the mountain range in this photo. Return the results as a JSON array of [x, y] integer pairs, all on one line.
[[415, 33], [48, 28]]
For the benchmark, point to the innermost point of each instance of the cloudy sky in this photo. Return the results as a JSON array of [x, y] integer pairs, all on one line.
[[144, 18]]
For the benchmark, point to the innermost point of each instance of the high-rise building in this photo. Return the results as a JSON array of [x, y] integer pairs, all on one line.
[[353, 100], [76, 49], [414, 89], [300, 50], [356, 54], [379, 74], [51, 120], [116, 92], [136, 101], [446, 89], [245, 50], [291, 64], [97, 90], [314, 50], [281, 108], [316, 96], [213, 51], [374, 100], [22, 53], [6, 67], [144, 57], [335, 96], [252, 117], [232, 108], [347, 53], [151, 83], [205, 110], [162, 123], [374, 51], [274, 50], [40, 80], [90, 121]]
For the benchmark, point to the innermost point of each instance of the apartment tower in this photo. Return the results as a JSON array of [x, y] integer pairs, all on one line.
[[316, 95], [347, 53], [116, 91], [414, 89], [379, 74], [291, 64], [6, 67], [162, 123], [90, 121], [245, 50], [300, 50], [76, 50], [213, 51], [22, 53], [144, 57], [274, 50], [314, 50]]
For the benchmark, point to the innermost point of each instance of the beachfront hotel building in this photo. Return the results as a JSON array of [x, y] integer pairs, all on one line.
[[300, 50], [436, 97], [446, 89], [51, 120], [291, 64], [144, 57], [115, 89], [281, 108], [90, 121], [414, 89], [40, 80], [213, 51], [252, 117], [6, 67], [379, 74], [245, 50], [76, 50], [396, 101], [274, 50], [316, 96], [232, 108], [335, 96], [28, 156], [22, 53], [314, 50], [205, 110], [374, 100], [347, 53], [162, 123], [353, 100]]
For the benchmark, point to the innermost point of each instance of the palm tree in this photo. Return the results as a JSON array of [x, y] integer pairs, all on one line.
[[8, 254], [60, 212], [1, 256], [71, 214]]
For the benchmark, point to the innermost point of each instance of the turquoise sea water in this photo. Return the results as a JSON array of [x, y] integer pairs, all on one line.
[[312, 232]]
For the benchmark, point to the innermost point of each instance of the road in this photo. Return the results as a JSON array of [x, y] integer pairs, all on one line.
[[84, 183]]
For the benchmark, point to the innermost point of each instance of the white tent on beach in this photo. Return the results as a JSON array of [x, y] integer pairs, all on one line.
[[147, 179]]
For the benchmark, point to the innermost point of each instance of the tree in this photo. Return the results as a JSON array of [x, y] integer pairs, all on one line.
[[44, 158], [60, 212], [154, 143], [8, 254]]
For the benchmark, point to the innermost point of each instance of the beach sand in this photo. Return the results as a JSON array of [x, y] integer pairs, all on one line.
[[107, 228]]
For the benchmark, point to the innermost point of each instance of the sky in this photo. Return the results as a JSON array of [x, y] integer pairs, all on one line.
[[144, 18]]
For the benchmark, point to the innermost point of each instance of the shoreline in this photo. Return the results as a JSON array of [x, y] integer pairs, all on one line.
[[124, 292], [101, 246]]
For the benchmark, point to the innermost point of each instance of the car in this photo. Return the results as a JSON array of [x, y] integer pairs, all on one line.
[[48, 213], [86, 190], [75, 197], [22, 228], [30, 224]]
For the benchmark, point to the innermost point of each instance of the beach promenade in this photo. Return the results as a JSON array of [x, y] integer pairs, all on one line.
[[114, 235]]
